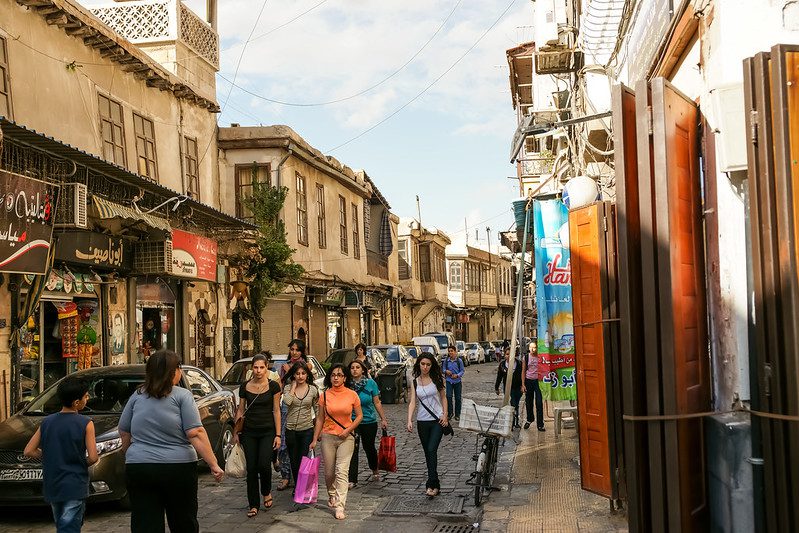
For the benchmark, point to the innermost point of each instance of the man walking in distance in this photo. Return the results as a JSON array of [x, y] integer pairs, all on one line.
[[530, 388], [453, 373]]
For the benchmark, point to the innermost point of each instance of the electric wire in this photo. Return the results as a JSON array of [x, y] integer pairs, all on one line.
[[359, 93]]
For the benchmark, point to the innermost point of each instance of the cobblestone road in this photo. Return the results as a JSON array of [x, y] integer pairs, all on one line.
[[223, 506]]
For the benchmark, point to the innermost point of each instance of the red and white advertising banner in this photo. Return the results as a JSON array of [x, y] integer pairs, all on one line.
[[193, 256], [27, 211]]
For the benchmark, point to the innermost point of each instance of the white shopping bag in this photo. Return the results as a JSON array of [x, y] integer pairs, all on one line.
[[236, 465]]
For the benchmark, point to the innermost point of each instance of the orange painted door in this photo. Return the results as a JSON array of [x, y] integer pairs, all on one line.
[[586, 243]]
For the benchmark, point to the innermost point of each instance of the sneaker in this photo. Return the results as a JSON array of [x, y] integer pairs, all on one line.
[[541, 428], [527, 425], [456, 418]]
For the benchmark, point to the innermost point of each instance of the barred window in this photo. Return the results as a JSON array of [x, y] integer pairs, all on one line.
[[396, 312]]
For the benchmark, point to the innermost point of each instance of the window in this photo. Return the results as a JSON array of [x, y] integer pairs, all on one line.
[[5, 85], [198, 384], [404, 264], [342, 223], [112, 130], [191, 167], [321, 227], [145, 146], [424, 263], [245, 176], [396, 312], [455, 276], [356, 235], [439, 267], [302, 210]]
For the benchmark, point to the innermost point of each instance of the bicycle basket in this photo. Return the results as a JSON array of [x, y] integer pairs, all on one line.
[[485, 419]]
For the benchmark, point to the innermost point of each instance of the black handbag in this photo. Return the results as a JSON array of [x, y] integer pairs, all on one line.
[[448, 431]]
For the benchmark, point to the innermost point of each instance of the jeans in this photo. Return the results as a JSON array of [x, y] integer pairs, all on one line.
[[515, 398], [430, 433], [534, 394], [366, 436], [259, 453], [297, 443], [155, 488], [336, 455], [68, 515], [283, 452], [454, 388]]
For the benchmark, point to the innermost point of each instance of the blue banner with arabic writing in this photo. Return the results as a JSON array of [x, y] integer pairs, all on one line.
[[553, 300]]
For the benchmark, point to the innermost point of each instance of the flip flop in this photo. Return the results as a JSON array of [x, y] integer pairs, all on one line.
[[340, 514], [252, 512], [283, 484], [268, 501]]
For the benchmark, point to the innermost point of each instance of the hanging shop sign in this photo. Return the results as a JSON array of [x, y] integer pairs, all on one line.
[[26, 223], [95, 249], [193, 256], [554, 300]]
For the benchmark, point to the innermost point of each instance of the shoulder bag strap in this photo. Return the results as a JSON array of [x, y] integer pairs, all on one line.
[[331, 416], [249, 404], [416, 387]]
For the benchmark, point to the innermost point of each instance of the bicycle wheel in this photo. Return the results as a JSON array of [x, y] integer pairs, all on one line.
[[478, 486], [489, 467]]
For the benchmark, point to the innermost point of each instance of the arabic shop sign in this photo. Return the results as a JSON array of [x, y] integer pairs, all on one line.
[[95, 249], [193, 256], [27, 212]]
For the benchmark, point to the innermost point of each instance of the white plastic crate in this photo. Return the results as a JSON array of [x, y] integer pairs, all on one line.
[[497, 421]]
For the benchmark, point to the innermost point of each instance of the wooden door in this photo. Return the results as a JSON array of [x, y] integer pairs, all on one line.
[[682, 305], [587, 228]]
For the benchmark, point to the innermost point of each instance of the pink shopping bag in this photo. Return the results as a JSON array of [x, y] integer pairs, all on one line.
[[308, 479]]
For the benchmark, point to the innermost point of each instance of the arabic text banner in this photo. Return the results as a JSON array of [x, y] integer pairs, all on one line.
[[554, 300]]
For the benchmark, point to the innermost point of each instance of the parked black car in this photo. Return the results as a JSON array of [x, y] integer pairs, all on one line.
[[346, 355], [400, 362], [109, 390]]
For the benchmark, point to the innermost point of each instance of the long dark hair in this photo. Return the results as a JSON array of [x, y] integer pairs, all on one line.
[[300, 346], [347, 376], [360, 345], [289, 377], [159, 373], [435, 369]]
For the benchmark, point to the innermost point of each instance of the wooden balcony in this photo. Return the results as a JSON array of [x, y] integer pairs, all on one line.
[[376, 265]]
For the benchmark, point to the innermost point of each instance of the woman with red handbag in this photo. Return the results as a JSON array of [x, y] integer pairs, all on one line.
[[335, 425], [369, 393], [431, 417]]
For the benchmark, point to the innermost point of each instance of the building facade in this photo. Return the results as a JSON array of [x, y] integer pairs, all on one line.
[[341, 228], [121, 152]]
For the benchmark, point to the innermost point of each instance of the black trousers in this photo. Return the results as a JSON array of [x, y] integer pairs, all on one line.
[[534, 395], [297, 443], [259, 453], [430, 433], [366, 438], [158, 488]]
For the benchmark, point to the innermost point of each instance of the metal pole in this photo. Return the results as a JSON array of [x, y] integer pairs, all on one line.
[[514, 341]]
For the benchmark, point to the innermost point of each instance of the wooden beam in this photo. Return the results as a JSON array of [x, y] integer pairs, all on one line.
[[80, 30], [135, 67], [59, 19], [34, 3]]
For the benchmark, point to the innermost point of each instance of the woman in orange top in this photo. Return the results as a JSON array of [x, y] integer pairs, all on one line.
[[335, 424]]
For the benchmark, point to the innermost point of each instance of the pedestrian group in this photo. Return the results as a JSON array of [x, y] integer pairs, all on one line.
[[280, 419]]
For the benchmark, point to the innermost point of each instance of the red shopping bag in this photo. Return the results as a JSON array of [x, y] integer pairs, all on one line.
[[307, 479], [387, 456]]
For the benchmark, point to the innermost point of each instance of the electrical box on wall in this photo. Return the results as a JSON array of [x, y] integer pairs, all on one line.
[[730, 126]]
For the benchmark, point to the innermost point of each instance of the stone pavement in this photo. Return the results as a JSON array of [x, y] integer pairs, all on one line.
[[539, 481]]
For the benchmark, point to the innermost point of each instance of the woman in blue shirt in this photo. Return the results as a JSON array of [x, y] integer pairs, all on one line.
[[369, 393]]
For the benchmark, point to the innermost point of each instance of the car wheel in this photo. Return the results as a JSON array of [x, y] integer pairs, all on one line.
[[225, 446]]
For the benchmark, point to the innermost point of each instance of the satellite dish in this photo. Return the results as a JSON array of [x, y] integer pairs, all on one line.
[[580, 191]]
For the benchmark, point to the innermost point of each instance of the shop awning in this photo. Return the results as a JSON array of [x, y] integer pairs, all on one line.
[[107, 210]]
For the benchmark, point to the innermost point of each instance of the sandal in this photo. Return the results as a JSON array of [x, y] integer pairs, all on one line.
[[283, 484], [429, 492], [252, 512], [340, 514], [268, 501], [276, 465], [332, 501], [375, 477], [436, 492]]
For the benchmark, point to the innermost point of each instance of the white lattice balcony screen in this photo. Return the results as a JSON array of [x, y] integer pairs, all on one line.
[[150, 21]]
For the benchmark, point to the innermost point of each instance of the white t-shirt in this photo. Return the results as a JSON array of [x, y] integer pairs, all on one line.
[[430, 396]]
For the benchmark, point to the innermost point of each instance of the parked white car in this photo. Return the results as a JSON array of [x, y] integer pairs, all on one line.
[[461, 347], [474, 352]]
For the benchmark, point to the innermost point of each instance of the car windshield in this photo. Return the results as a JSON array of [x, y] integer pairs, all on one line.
[[238, 373], [425, 348], [107, 394], [413, 351], [471, 346], [391, 353], [442, 341], [485, 345]]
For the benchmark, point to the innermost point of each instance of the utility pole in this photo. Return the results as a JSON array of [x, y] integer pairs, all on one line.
[[419, 213], [488, 281]]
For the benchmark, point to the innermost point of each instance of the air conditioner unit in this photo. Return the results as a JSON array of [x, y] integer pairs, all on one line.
[[557, 60], [153, 257], [72, 208]]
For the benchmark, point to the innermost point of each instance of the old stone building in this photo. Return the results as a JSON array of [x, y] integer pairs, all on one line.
[[344, 235], [112, 123]]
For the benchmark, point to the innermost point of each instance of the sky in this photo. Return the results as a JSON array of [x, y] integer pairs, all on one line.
[[448, 145]]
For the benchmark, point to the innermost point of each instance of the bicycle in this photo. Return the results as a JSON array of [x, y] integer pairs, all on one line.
[[485, 466]]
